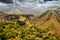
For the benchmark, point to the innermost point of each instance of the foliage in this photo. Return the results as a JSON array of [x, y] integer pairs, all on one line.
[[49, 17], [49, 27], [13, 30], [22, 18]]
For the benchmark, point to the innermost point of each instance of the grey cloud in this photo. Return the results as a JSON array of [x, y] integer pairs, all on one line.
[[6, 1], [33, 5]]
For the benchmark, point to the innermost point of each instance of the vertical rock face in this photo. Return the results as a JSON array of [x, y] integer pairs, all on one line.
[[48, 19]]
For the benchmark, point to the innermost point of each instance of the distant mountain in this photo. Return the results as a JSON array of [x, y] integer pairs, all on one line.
[[13, 11], [17, 11]]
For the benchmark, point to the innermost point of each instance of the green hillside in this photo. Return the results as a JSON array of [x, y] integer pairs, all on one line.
[[29, 27]]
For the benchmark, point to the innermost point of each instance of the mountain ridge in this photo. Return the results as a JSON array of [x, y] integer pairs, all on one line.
[[47, 19]]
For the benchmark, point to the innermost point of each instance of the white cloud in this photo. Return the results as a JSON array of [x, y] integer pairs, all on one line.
[[2, 4], [35, 6]]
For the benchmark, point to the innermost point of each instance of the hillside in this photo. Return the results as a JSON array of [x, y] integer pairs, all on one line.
[[49, 21], [30, 27]]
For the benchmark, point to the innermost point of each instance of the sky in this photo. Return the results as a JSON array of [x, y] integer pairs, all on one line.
[[6, 1], [36, 6]]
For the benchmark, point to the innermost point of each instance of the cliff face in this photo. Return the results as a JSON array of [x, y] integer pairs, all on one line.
[[49, 21]]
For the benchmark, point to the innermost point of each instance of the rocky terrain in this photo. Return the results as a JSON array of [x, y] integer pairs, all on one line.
[[50, 20], [30, 27]]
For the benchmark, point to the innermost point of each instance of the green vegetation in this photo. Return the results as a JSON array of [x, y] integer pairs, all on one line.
[[49, 17], [24, 31], [49, 27]]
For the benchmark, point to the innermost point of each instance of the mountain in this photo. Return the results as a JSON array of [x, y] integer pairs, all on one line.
[[49, 21], [13, 11], [16, 11]]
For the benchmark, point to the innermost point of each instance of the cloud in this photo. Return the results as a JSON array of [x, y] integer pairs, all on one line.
[[27, 0], [6, 1], [38, 7], [32, 5]]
